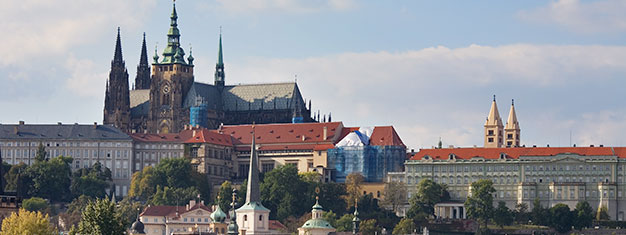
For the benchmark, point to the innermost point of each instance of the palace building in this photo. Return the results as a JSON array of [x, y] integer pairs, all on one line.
[[170, 98]]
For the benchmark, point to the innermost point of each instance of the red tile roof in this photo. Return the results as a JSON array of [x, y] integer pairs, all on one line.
[[171, 137], [201, 135], [494, 153], [211, 137], [385, 135], [276, 225], [302, 133]]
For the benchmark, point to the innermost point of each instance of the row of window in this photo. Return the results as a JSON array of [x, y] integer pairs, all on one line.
[[75, 153], [66, 144]]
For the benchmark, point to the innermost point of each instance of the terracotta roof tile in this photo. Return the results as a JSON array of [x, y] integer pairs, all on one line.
[[276, 225], [212, 137], [494, 153], [311, 133], [385, 135]]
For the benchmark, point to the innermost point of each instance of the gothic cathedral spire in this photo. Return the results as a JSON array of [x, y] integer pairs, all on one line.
[[512, 129], [493, 127], [142, 80], [117, 102], [219, 66]]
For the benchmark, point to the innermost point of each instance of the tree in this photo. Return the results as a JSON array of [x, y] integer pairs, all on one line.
[[143, 184], [50, 179], [540, 215], [11, 178], [100, 217], [344, 223], [129, 210], [71, 217], [521, 213], [502, 215], [583, 215], [173, 196], [368, 227], [330, 217], [284, 193], [225, 195], [311, 177], [406, 226], [422, 203], [353, 187], [480, 204], [92, 181], [41, 154], [35, 204], [27, 222], [561, 218], [603, 213], [395, 195], [331, 196]]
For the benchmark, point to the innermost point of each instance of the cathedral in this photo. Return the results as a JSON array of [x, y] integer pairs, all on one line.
[[165, 98]]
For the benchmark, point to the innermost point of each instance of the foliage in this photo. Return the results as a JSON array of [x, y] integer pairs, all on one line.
[[11, 178], [422, 203], [603, 213], [395, 195], [344, 223], [284, 193], [539, 214], [331, 195], [73, 214], [353, 187], [41, 154], [583, 215], [35, 204], [173, 196], [225, 195], [293, 223], [406, 226], [142, 184], [92, 181], [101, 218], [26, 222], [561, 218], [502, 215], [330, 217], [311, 177], [129, 210], [480, 204], [368, 227], [521, 213], [369, 209], [49, 179]]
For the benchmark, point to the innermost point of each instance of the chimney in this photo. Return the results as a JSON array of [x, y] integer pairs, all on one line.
[[325, 132], [95, 125], [303, 138], [59, 123], [21, 123], [191, 204]]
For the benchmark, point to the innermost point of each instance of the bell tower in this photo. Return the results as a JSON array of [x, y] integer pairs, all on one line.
[[116, 99], [172, 76], [512, 129], [493, 127]]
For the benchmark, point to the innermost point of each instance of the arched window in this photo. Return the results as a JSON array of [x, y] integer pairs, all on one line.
[[260, 217]]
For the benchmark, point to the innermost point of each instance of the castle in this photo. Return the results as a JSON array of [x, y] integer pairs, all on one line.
[[167, 98]]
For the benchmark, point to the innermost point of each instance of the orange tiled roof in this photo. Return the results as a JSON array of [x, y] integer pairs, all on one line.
[[385, 135], [494, 153], [284, 133], [276, 225], [212, 137]]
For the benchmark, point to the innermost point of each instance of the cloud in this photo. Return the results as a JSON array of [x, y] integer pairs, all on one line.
[[85, 79], [445, 92], [576, 16], [292, 6], [41, 28]]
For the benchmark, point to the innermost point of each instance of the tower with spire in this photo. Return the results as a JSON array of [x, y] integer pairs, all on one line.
[[493, 127], [253, 217], [116, 99], [172, 77], [219, 67], [142, 79], [512, 129]]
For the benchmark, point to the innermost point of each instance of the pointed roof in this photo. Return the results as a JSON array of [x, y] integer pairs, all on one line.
[[220, 59], [511, 123], [494, 116], [117, 57], [252, 191], [143, 59]]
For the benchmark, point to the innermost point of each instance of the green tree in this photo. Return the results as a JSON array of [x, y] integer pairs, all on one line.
[[225, 195], [353, 184], [173, 196], [311, 177], [35, 204], [92, 181], [41, 154], [284, 193], [12, 175], [101, 218], [143, 184], [583, 215], [331, 196], [406, 226], [603, 213], [422, 203], [395, 195], [330, 217], [129, 210], [27, 222], [344, 223], [561, 218], [480, 204], [521, 213], [502, 215], [368, 227], [50, 179], [71, 217], [539, 214]]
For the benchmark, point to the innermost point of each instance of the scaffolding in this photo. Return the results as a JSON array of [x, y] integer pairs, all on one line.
[[373, 162]]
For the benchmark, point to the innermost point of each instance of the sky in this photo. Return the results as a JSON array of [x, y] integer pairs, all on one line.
[[429, 68]]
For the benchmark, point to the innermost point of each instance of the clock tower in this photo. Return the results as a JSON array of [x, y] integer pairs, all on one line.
[[172, 76]]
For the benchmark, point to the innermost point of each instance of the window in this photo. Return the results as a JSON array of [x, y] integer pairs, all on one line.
[[260, 217], [268, 166], [490, 140], [245, 217], [490, 132]]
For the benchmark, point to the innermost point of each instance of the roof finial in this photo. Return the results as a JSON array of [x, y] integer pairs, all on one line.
[[494, 98], [512, 101]]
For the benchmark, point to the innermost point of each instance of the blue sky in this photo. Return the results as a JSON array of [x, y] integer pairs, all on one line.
[[429, 68]]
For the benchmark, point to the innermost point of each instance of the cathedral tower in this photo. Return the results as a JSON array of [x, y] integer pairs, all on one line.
[[116, 99], [493, 127], [171, 79], [512, 129], [219, 67], [142, 80]]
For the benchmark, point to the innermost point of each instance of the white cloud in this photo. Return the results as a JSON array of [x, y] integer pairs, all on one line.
[[85, 79], [42, 28], [588, 17], [292, 6], [443, 92]]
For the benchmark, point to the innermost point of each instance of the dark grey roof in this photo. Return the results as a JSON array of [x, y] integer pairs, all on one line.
[[269, 95], [209, 94], [139, 102], [65, 132]]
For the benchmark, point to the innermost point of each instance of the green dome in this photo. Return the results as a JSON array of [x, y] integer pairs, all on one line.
[[218, 215], [317, 223]]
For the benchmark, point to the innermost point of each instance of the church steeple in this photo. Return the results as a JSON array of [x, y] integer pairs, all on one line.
[[118, 61], [493, 127], [116, 100], [219, 66], [512, 129], [252, 191], [173, 53], [142, 79]]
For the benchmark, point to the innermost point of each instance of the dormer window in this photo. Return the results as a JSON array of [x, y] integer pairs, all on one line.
[[451, 156], [502, 156], [426, 157]]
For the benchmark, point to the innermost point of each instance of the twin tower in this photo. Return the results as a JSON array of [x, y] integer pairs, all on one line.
[[496, 134]]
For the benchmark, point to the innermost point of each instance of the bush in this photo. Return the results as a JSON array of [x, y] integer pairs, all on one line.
[[35, 204]]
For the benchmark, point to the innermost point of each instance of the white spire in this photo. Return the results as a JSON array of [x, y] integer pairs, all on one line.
[[494, 116]]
